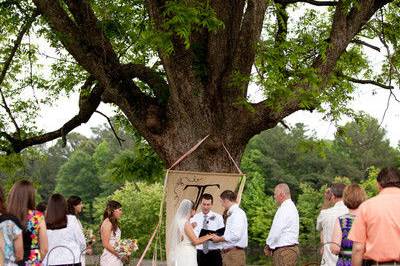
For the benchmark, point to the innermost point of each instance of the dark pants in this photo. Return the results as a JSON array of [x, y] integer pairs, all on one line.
[[212, 258]]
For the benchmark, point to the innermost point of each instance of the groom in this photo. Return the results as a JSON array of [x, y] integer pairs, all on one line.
[[235, 237], [208, 254]]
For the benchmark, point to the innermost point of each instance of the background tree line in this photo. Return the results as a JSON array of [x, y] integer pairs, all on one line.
[[98, 168]]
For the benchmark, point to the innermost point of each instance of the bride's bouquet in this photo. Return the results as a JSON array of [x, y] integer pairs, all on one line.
[[125, 247]]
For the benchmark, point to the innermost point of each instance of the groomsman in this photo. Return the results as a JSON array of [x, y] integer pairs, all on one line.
[[283, 238], [235, 237], [208, 254]]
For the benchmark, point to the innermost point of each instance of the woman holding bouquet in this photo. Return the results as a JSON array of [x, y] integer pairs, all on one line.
[[111, 235]]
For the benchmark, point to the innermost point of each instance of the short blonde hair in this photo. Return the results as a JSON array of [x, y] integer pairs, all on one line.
[[353, 196]]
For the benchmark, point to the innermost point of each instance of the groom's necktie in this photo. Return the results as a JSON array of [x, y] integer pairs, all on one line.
[[205, 226]]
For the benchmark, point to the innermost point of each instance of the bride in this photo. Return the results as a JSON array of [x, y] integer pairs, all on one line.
[[183, 241]]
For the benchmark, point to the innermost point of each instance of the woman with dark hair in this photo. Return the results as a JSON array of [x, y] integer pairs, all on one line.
[[11, 229], [110, 234], [21, 203], [66, 239], [75, 205]]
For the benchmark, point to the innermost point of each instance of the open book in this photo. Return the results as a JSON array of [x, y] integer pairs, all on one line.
[[219, 232]]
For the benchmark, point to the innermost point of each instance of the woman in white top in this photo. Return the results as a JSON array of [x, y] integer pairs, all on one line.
[[182, 239], [110, 234], [65, 236]]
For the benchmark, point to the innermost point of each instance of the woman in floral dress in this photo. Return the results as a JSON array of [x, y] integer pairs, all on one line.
[[21, 203]]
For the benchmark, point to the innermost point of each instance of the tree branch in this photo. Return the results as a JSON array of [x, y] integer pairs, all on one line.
[[356, 41], [147, 75], [250, 32], [88, 104], [367, 81], [120, 140], [7, 65], [82, 38], [311, 2]]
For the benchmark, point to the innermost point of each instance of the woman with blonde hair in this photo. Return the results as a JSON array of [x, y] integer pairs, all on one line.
[[21, 204], [353, 196]]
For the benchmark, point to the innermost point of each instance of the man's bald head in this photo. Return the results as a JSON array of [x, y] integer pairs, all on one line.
[[282, 193]]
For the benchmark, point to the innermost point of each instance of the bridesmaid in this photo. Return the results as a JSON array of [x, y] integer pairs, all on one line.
[[110, 233], [21, 204]]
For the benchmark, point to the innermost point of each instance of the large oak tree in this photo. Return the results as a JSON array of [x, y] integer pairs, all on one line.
[[180, 69]]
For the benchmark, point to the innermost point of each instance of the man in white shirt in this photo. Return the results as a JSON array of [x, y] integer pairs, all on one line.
[[208, 254], [235, 237], [327, 219], [283, 238]]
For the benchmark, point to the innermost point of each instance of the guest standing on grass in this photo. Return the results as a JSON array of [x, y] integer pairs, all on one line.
[[283, 238], [11, 231], [353, 196], [66, 239], [21, 204], [376, 230], [327, 219]]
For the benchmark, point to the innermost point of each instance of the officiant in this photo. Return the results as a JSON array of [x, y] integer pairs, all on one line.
[[208, 254]]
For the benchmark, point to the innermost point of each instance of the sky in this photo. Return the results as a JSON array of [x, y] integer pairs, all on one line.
[[367, 99]]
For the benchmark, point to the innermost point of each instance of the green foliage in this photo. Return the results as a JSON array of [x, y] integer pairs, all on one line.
[[78, 176], [185, 17], [259, 208], [370, 184], [140, 204], [308, 205]]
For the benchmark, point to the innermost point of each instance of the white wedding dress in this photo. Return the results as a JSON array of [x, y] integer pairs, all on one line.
[[181, 251], [186, 254]]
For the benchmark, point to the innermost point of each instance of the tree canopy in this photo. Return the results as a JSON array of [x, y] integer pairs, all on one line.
[[179, 70]]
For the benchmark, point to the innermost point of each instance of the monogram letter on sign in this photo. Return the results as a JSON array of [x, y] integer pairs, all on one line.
[[192, 185]]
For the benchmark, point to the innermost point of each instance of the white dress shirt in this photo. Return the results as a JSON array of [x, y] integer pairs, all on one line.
[[325, 223], [235, 228], [214, 222], [285, 226], [66, 244]]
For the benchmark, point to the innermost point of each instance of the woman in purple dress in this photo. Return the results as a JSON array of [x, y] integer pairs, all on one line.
[[353, 196]]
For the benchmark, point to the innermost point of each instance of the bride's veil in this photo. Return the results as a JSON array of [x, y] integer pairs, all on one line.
[[177, 228]]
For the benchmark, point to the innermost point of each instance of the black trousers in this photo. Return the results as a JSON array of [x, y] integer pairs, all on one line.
[[212, 258]]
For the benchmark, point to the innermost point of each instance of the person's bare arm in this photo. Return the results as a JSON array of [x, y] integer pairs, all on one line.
[[18, 248], [43, 241], [106, 231], [192, 237], [336, 239], [357, 254]]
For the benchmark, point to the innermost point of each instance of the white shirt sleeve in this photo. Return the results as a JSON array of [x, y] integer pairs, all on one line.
[[278, 224], [78, 233], [220, 221], [320, 220], [234, 231]]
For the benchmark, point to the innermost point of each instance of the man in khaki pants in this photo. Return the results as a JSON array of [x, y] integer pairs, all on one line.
[[235, 237], [283, 238]]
